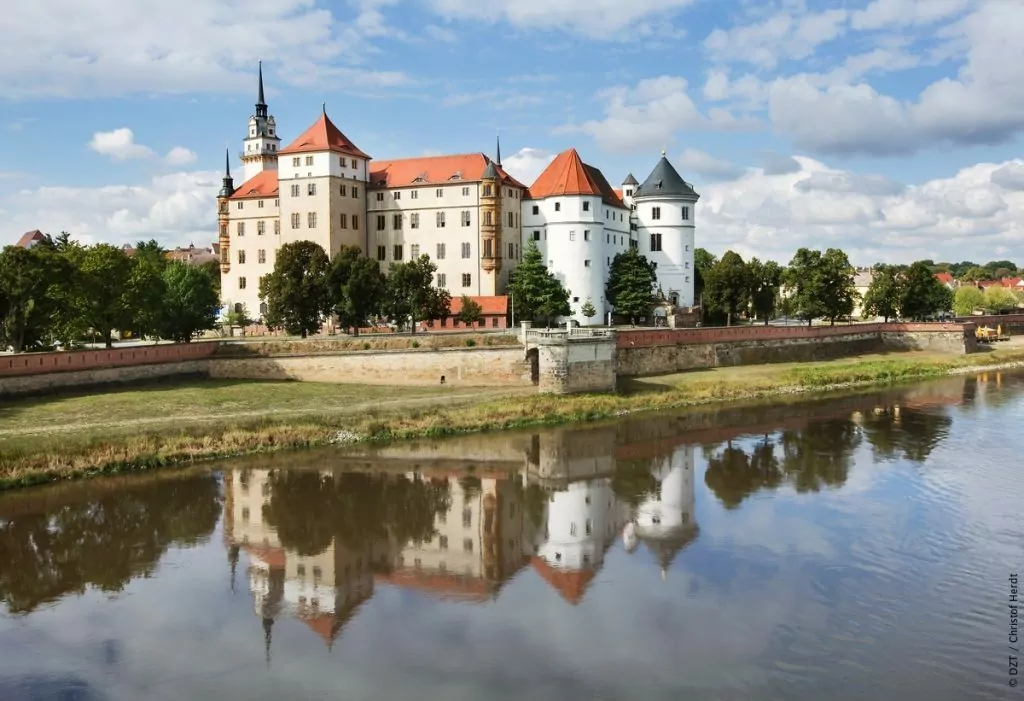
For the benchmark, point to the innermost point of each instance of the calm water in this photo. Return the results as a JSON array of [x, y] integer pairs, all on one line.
[[857, 548]]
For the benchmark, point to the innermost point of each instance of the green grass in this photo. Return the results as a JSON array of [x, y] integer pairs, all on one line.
[[128, 430]]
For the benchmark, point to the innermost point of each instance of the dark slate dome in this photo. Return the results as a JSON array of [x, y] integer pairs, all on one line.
[[665, 181]]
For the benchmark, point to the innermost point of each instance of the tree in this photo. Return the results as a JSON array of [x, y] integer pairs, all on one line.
[[921, 294], [727, 287], [106, 292], [296, 291], [702, 263], [967, 299], [471, 311], [839, 295], [151, 252], [24, 285], [884, 294], [212, 267], [190, 302], [1000, 299], [147, 292], [538, 294], [806, 287], [67, 318], [588, 310], [411, 295], [239, 316], [630, 286], [764, 281], [356, 287], [976, 274]]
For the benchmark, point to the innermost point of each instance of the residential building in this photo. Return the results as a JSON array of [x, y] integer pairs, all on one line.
[[494, 314], [30, 239]]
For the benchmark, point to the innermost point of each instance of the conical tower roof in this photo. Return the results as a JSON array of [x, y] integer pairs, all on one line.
[[665, 181], [323, 136]]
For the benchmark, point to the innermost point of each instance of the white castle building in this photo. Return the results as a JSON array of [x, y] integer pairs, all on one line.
[[465, 211]]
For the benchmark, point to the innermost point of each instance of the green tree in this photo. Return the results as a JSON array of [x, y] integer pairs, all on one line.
[[976, 274], [410, 293], [24, 286], [727, 286], [67, 318], [151, 252], [588, 310], [703, 261], [1008, 267], [884, 294], [958, 269], [630, 286], [803, 277], [106, 291], [538, 294], [190, 302], [239, 316], [357, 288], [471, 311], [296, 292], [212, 267], [1000, 299], [764, 279], [147, 292], [921, 294], [967, 299], [839, 295]]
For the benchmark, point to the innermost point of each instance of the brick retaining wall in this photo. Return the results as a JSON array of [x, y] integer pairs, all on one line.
[[71, 361]]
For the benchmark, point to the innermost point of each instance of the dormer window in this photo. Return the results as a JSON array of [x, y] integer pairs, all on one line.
[[457, 176]]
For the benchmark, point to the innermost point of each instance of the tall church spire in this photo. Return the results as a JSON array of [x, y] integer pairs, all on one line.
[[499, 149], [261, 102], [227, 184]]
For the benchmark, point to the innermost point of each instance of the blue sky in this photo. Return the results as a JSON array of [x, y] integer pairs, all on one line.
[[891, 128]]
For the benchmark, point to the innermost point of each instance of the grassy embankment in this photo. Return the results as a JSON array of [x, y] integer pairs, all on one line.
[[76, 435]]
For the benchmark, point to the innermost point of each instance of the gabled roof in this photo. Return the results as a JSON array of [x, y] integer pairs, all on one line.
[[435, 170], [568, 175], [665, 181], [30, 238], [944, 278], [490, 306], [630, 180], [263, 184], [323, 136]]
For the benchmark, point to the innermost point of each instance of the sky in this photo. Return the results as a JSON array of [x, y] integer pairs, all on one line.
[[890, 128]]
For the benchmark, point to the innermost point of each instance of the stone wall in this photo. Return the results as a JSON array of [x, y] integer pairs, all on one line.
[[82, 379], [71, 361], [1012, 323], [572, 364]]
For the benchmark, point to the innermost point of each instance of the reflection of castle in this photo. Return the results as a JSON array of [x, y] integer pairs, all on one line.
[[560, 522]]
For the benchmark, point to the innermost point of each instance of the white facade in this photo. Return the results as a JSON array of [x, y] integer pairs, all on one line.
[[670, 509], [581, 521], [578, 235]]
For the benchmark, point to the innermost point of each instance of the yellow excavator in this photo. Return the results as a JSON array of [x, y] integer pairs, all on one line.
[[986, 334]]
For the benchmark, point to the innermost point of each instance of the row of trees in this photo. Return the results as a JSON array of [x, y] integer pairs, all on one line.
[[969, 271], [59, 293], [906, 291], [994, 300]]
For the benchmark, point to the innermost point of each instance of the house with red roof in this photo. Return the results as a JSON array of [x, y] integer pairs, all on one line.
[[30, 238]]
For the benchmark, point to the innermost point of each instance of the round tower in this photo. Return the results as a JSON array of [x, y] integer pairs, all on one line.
[[664, 206], [261, 143], [664, 521], [223, 215]]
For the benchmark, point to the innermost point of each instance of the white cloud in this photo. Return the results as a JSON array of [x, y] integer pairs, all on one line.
[[119, 144], [189, 45], [889, 14], [597, 19], [780, 37], [180, 156], [706, 165], [527, 164]]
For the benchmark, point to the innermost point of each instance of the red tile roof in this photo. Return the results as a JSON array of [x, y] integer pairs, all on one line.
[[323, 136], [434, 170], [571, 584], [29, 238], [1012, 282], [263, 184], [443, 585], [569, 175], [944, 278], [490, 306]]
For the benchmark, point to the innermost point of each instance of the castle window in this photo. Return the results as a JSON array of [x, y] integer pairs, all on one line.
[[355, 192], [488, 248], [440, 219], [261, 228], [414, 195], [440, 251], [382, 252], [558, 206], [686, 213], [588, 527], [586, 264], [494, 322], [465, 192], [586, 235], [259, 204], [295, 220], [296, 162], [586, 206], [343, 220], [398, 251], [655, 242], [414, 251], [241, 283], [686, 265], [607, 238], [536, 209], [261, 255], [300, 570], [263, 309], [397, 221], [687, 278], [487, 218], [629, 193], [341, 162], [572, 235], [511, 219], [309, 160], [240, 205], [381, 222], [536, 236], [241, 257], [511, 251], [439, 192], [241, 228], [655, 212], [355, 164], [467, 217], [467, 545], [295, 190], [311, 189], [398, 195], [414, 220], [380, 196], [467, 279], [442, 281], [467, 517], [572, 529], [487, 190], [466, 249], [311, 220], [687, 247], [355, 221]]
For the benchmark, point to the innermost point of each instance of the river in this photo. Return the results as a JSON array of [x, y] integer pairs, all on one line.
[[859, 547]]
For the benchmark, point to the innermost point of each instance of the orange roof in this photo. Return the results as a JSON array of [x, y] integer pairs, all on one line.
[[571, 584], [263, 184], [442, 584], [944, 278], [323, 136], [490, 306], [569, 175], [618, 193], [1012, 282], [29, 238], [434, 170]]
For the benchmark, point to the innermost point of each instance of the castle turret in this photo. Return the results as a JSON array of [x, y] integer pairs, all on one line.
[[490, 213], [223, 237], [261, 143]]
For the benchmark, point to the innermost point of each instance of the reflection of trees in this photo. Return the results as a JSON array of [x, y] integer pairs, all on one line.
[[309, 509], [810, 459], [633, 481], [102, 542], [909, 433]]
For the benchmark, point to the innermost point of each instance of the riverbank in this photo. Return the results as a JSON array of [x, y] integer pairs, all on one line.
[[130, 429]]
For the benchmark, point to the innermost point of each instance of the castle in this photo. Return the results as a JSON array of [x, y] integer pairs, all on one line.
[[465, 211]]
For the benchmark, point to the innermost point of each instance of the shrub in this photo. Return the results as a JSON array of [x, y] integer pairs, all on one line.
[[366, 346], [470, 342], [415, 344]]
